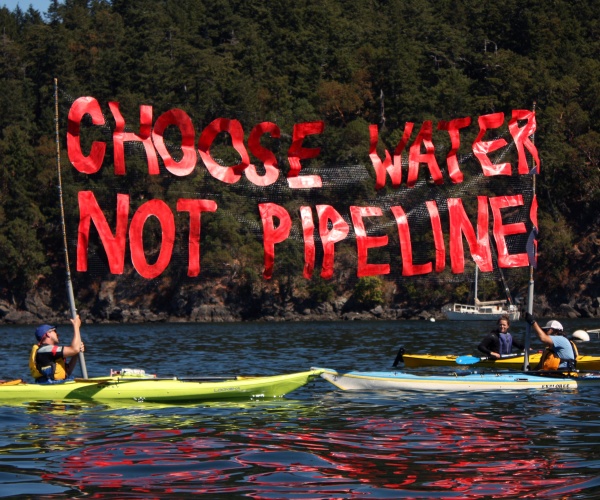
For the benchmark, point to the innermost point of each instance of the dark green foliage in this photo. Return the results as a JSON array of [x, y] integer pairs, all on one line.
[[369, 292], [321, 291], [350, 63]]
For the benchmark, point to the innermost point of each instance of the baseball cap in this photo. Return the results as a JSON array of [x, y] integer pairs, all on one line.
[[555, 325], [42, 330]]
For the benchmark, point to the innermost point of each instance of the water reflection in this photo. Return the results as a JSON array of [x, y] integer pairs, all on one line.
[[429, 446]]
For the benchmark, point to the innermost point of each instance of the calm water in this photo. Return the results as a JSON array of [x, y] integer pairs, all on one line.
[[318, 442]]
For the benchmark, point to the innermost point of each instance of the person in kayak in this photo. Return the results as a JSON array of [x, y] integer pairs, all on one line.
[[560, 352], [48, 360], [499, 342]]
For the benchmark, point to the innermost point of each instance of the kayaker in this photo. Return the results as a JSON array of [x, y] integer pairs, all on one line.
[[48, 360], [560, 352], [499, 342]]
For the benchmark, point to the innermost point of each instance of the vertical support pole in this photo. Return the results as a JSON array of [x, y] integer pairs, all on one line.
[[69, 283], [531, 281]]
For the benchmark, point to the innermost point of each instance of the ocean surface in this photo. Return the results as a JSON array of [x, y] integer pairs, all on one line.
[[316, 443]]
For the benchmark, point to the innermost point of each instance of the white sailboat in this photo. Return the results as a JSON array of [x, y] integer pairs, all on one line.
[[482, 310]]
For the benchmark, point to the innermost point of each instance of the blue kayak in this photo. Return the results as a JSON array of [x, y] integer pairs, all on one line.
[[458, 381]]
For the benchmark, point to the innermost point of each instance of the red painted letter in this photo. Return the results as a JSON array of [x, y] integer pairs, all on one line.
[[84, 164], [364, 242], [339, 230], [181, 120], [195, 208], [415, 157], [438, 236], [162, 212], [502, 230], [522, 141], [308, 229], [395, 170], [453, 127], [297, 153], [479, 245], [483, 148], [120, 137], [272, 234], [232, 174], [114, 246], [408, 268], [268, 158]]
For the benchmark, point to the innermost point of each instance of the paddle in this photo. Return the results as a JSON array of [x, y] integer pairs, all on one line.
[[11, 382], [399, 357], [471, 360]]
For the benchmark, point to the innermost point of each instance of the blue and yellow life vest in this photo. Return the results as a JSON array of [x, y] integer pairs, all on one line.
[[54, 371]]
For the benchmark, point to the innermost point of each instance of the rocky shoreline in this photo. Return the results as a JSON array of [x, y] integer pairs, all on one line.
[[210, 313], [38, 308]]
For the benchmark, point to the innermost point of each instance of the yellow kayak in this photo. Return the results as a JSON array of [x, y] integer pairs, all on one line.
[[123, 388], [514, 363]]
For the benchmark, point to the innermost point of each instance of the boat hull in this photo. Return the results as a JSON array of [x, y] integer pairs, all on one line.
[[423, 360], [468, 382], [480, 316], [480, 312], [159, 390]]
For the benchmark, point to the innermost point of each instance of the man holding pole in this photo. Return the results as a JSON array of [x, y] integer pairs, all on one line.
[[48, 360], [560, 352]]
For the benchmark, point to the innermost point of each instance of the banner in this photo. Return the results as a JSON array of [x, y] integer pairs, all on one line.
[[152, 194]]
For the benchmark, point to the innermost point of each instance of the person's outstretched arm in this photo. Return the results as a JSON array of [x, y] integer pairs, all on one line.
[[542, 335]]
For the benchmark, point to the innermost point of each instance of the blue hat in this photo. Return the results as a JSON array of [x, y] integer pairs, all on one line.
[[42, 330]]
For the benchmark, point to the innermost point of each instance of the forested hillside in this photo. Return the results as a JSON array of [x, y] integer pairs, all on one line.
[[349, 63]]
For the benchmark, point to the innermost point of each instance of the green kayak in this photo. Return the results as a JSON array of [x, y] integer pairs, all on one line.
[[158, 390]]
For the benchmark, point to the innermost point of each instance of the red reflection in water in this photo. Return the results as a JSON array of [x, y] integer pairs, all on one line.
[[464, 455]]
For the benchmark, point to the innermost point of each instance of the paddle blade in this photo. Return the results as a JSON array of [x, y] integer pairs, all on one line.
[[11, 382], [399, 356], [468, 360]]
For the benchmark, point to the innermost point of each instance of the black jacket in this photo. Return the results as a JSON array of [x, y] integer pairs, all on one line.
[[491, 343]]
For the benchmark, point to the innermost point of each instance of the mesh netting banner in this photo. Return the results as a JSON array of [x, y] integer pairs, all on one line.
[[159, 198]]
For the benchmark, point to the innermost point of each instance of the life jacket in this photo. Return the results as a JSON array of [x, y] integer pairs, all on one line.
[[505, 343], [550, 361], [56, 370]]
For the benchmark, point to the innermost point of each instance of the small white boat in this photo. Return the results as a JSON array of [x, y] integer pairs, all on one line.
[[454, 382], [481, 311]]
